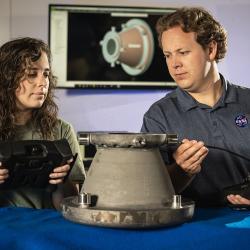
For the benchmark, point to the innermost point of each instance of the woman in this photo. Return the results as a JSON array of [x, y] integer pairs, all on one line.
[[28, 112]]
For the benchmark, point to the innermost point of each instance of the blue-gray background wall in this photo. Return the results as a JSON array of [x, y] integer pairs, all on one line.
[[122, 110]]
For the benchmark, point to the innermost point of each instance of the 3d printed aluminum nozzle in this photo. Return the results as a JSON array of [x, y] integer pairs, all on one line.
[[127, 184]]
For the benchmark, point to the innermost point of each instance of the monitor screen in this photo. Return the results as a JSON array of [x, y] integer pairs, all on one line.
[[107, 47]]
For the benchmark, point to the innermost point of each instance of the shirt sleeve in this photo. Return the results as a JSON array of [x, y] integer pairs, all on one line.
[[152, 125], [78, 172]]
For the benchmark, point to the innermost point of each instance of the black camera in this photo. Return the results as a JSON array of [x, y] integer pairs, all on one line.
[[30, 162]]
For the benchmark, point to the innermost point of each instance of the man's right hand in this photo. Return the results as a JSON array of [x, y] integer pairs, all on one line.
[[4, 173], [189, 156]]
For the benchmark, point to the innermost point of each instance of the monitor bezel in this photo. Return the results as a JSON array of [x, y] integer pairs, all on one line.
[[105, 84]]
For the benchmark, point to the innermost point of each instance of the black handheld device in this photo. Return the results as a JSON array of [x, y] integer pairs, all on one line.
[[243, 189], [30, 162]]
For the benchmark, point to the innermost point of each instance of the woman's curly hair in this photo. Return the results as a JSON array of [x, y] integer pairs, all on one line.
[[199, 21], [15, 57]]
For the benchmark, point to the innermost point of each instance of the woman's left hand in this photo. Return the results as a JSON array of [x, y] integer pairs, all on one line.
[[238, 200], [59, 173]]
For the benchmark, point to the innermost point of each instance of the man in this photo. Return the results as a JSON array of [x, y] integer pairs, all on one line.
[[205, 109]]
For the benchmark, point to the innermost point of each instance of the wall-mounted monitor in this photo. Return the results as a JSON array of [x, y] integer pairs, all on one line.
[[107, 47]]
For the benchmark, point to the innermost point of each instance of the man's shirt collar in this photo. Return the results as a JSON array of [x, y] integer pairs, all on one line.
[[187, 102]]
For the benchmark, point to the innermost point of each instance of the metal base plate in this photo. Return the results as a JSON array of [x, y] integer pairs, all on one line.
[[127, 218]]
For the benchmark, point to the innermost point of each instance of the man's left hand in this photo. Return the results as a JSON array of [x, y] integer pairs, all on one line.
[[238, 200]]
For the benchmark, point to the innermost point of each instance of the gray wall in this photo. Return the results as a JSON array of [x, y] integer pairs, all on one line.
[[123, 110]]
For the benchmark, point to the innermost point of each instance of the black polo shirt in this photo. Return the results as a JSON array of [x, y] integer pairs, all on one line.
[[226, 125]]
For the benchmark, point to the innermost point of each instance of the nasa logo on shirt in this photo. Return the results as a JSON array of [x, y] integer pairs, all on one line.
[[241, 120]]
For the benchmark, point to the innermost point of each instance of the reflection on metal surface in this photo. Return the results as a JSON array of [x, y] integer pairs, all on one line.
[[84, 199], [177, 203], [128, 184]]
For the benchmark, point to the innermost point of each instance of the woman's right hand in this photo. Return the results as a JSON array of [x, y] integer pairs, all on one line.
[[4, 173]]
